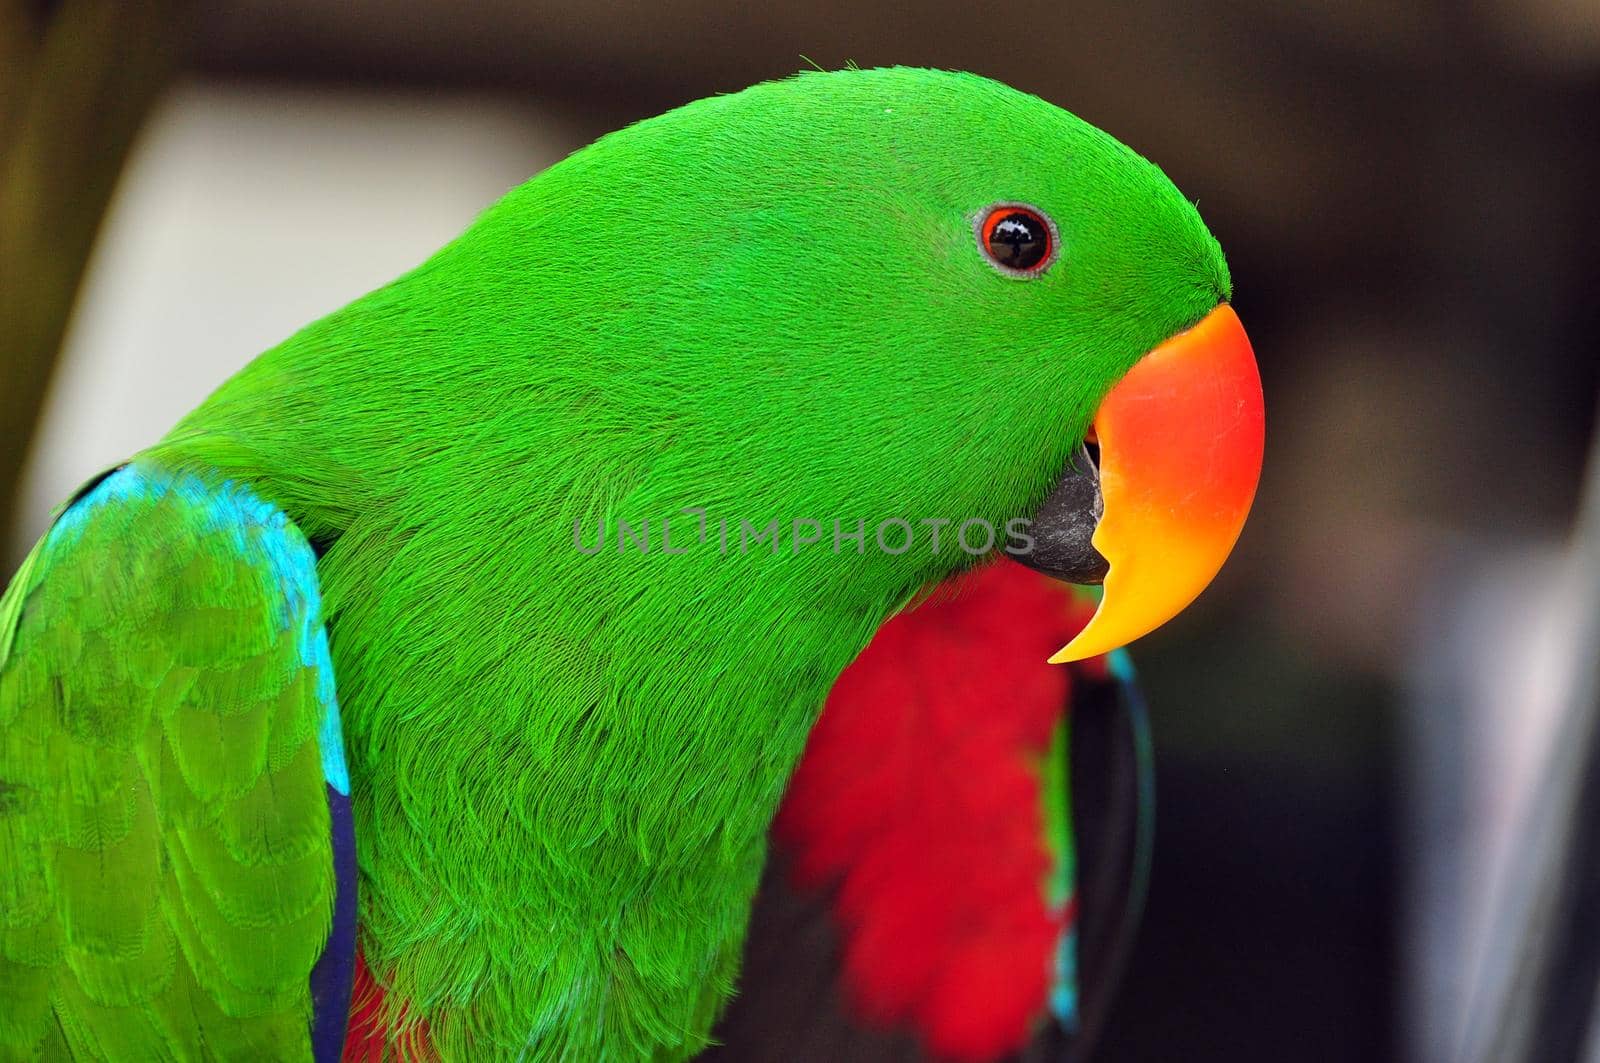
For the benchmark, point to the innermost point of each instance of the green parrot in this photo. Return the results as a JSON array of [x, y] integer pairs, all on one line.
[[449, 663]]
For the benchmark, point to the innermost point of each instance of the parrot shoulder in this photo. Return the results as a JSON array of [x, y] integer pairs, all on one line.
[[173, 792]]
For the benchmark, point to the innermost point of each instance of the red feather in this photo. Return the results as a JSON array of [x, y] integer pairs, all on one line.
[[367, 1036], [920, 794]]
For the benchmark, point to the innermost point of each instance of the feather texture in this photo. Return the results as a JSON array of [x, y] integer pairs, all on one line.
[[167, 881]]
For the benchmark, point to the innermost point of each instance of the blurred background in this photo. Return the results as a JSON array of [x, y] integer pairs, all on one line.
[[1352, 726]]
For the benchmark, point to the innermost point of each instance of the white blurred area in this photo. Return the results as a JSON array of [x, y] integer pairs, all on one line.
[[1493, 677], [244, 214]]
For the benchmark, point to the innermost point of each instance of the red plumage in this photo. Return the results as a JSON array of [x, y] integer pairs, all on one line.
[[920, 795], [367, 1035]]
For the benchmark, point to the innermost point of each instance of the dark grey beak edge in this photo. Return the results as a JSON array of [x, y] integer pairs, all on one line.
[[1063, 526]]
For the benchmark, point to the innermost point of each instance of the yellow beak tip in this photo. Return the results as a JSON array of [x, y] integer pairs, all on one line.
[[1066, 655], [1083, 646]]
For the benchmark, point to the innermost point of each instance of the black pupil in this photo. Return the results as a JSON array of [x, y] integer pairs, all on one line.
[[1019, 241]]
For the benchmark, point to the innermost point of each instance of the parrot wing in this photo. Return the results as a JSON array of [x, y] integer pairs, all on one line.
[[968, 831], [173, 793]]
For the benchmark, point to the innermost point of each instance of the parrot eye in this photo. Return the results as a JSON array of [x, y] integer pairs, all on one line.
[[1019, 240]]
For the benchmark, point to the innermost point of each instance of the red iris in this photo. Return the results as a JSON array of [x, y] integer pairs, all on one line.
[[1018, 239]]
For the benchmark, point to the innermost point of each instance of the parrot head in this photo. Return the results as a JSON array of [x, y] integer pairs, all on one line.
[[895, 311], [910, 294]]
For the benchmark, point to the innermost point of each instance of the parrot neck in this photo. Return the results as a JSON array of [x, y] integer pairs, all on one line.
[[586, 777]]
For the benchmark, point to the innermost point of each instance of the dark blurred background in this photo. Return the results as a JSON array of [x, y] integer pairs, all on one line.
[[1346, 724]]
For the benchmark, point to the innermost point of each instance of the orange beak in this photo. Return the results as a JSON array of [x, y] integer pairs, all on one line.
[[1181, 439]]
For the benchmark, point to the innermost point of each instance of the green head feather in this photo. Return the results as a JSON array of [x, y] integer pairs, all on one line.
[[766, 306]]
